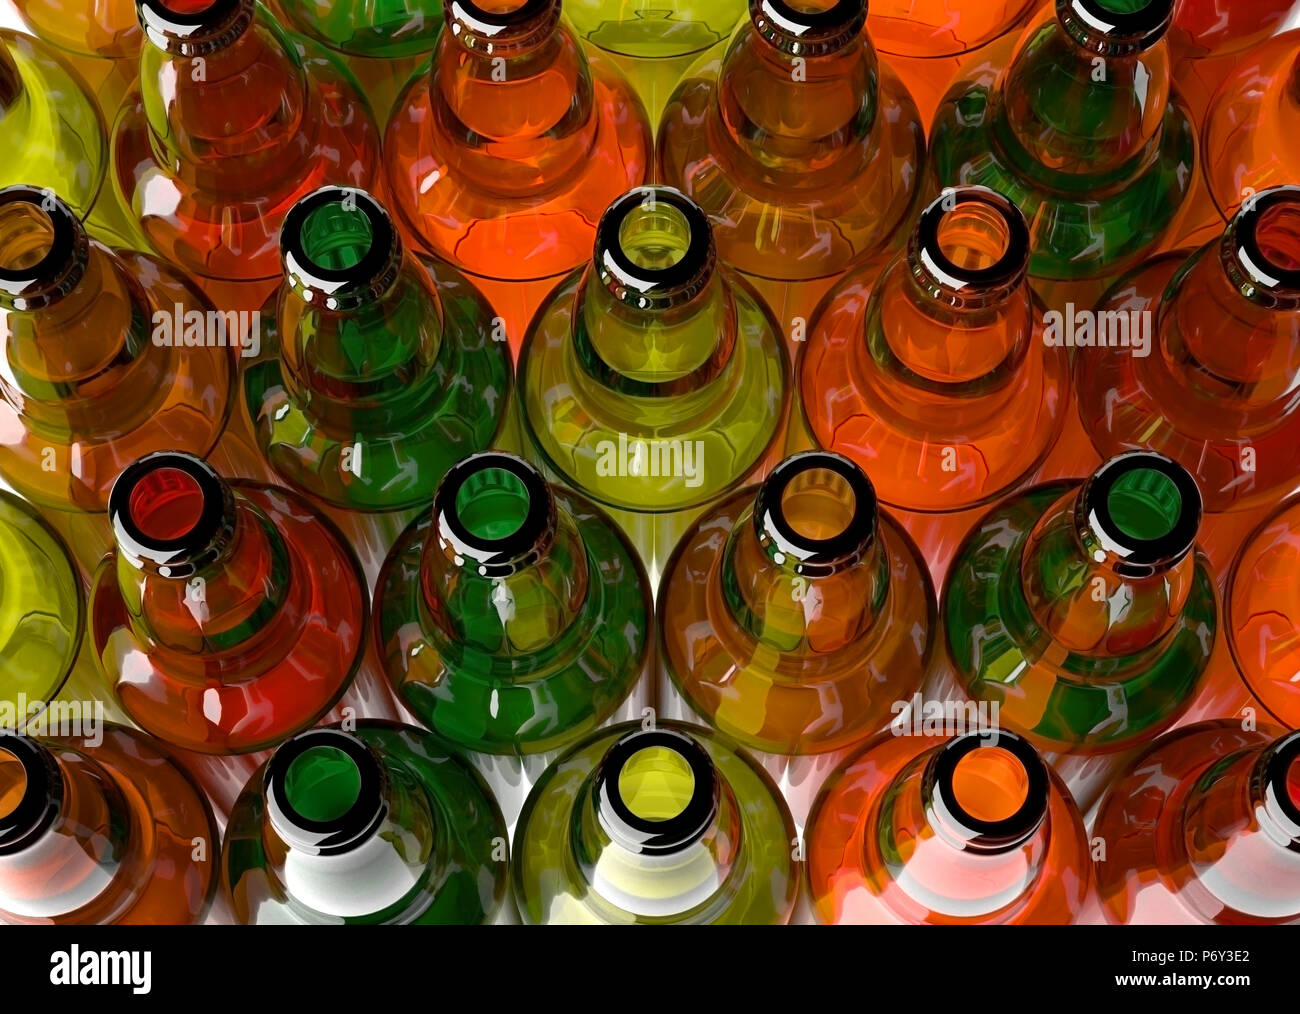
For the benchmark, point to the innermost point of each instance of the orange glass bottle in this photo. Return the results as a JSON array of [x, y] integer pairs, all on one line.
[[232, 122], [503, 154], [1217, 389], [95, 832], [802, 147], [1204, 827], [975, 830]]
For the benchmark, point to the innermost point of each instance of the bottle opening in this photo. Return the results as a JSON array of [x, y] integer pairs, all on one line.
[[172, 510], [336, 237], [339, 244], [192, 28], [1116, 27], [656, 791], [1264, 241], [31, 791], [655, 237], [991, 785], [322, 783], [13, 783], [654, 248], [818, 510], [989, 789], [496, 25], [495, 510], [808, 27], [972, 240], [26, 236], [1143, 508], [1281, 776], [42, 247], [166, 504]]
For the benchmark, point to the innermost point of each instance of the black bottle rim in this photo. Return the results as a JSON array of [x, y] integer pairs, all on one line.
[[340, 285], [813, 555], [1006, 269], [1137, 556], [1140, 29], [328, 837], [984, 834], [642, 287], [27, 284], [42, 795], [1244, 235], [1277, 776], [808, 33], [481, 17], [185, 554], [657, 837], [193, 33], [504, 556]]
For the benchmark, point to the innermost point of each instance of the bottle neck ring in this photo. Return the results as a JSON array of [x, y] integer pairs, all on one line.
[[987, 791], [44, 250], [194, 28]]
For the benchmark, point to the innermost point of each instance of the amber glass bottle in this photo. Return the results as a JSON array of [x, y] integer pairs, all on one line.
[[503, 154], [102, 830], [232, 122], [976, 830]]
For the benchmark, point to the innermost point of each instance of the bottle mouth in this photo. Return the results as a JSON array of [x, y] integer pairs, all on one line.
[[497, 511], [325, 791], [1281, 783], [654, 248], [991, 788], [496, 27], [818, 511], [657, 792], [31, 789], [1263, 242], [808, 27], [1116, 27], [170, 510], [193, 28], [339, 244], [973, 245], [43, 248], [1143, 509]]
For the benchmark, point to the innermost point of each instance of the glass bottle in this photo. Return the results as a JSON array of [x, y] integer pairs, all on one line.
[[232, 122], [1082, 132], [503, 153], [227, 617], [107, 29], [374, 825], [653, 379], [102, 830], [1084, 611], [383, 29], [801, 146], [667, 825], [1219, 391], [973, 830], [1204, 827]]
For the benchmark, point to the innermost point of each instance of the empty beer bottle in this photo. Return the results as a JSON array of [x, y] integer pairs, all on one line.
[[385, 29], [515, 617], [1084, 611], [102, 829], [232, 122], [653, 380], [974, 830], [107, 29], [375, 825], [800, 145], [380, 370], [934, 375], [227, 617], [1081, 132], [793, 616], [1204, 827], [1217, 391], [502, 155], [1263, 614], [655, 826]]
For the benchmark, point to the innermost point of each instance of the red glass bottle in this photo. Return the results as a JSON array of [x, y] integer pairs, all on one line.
[[1217, 389], [1204, 828], [802, 147], [503, 154], [228, 617], [975, 830], [233, 121], [102, 831]]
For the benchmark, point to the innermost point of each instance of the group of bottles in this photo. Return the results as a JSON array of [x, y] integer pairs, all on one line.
[[446, 514]]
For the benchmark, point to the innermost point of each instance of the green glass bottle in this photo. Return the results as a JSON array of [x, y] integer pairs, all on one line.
[[1084, 612], [515, 617], [665, 825], [378, 825], [1082, 132], [654, 380], [385, 29]]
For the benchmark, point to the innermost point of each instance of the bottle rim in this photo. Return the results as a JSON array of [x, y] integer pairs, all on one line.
[[648, 288], [1140, 556], [42, 794], [816, 557], [964, 284], [1282, 780], [1115, 33], [340, 288], [977, 833], [194, 33], [1241, 241], [480, 29], [61, 267], [507, 555], [798, 32]]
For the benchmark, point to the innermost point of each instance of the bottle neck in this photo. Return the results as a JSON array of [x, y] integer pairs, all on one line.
[[515, 91], [64, 829], [655, 318], [964, 829], [360, 320], [201, 570], [799, 85], [358, 835], [1107, 569], [1241, 830], [504, 570], [658, 829], [1087, 91], [804, 571], [226, 96]]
